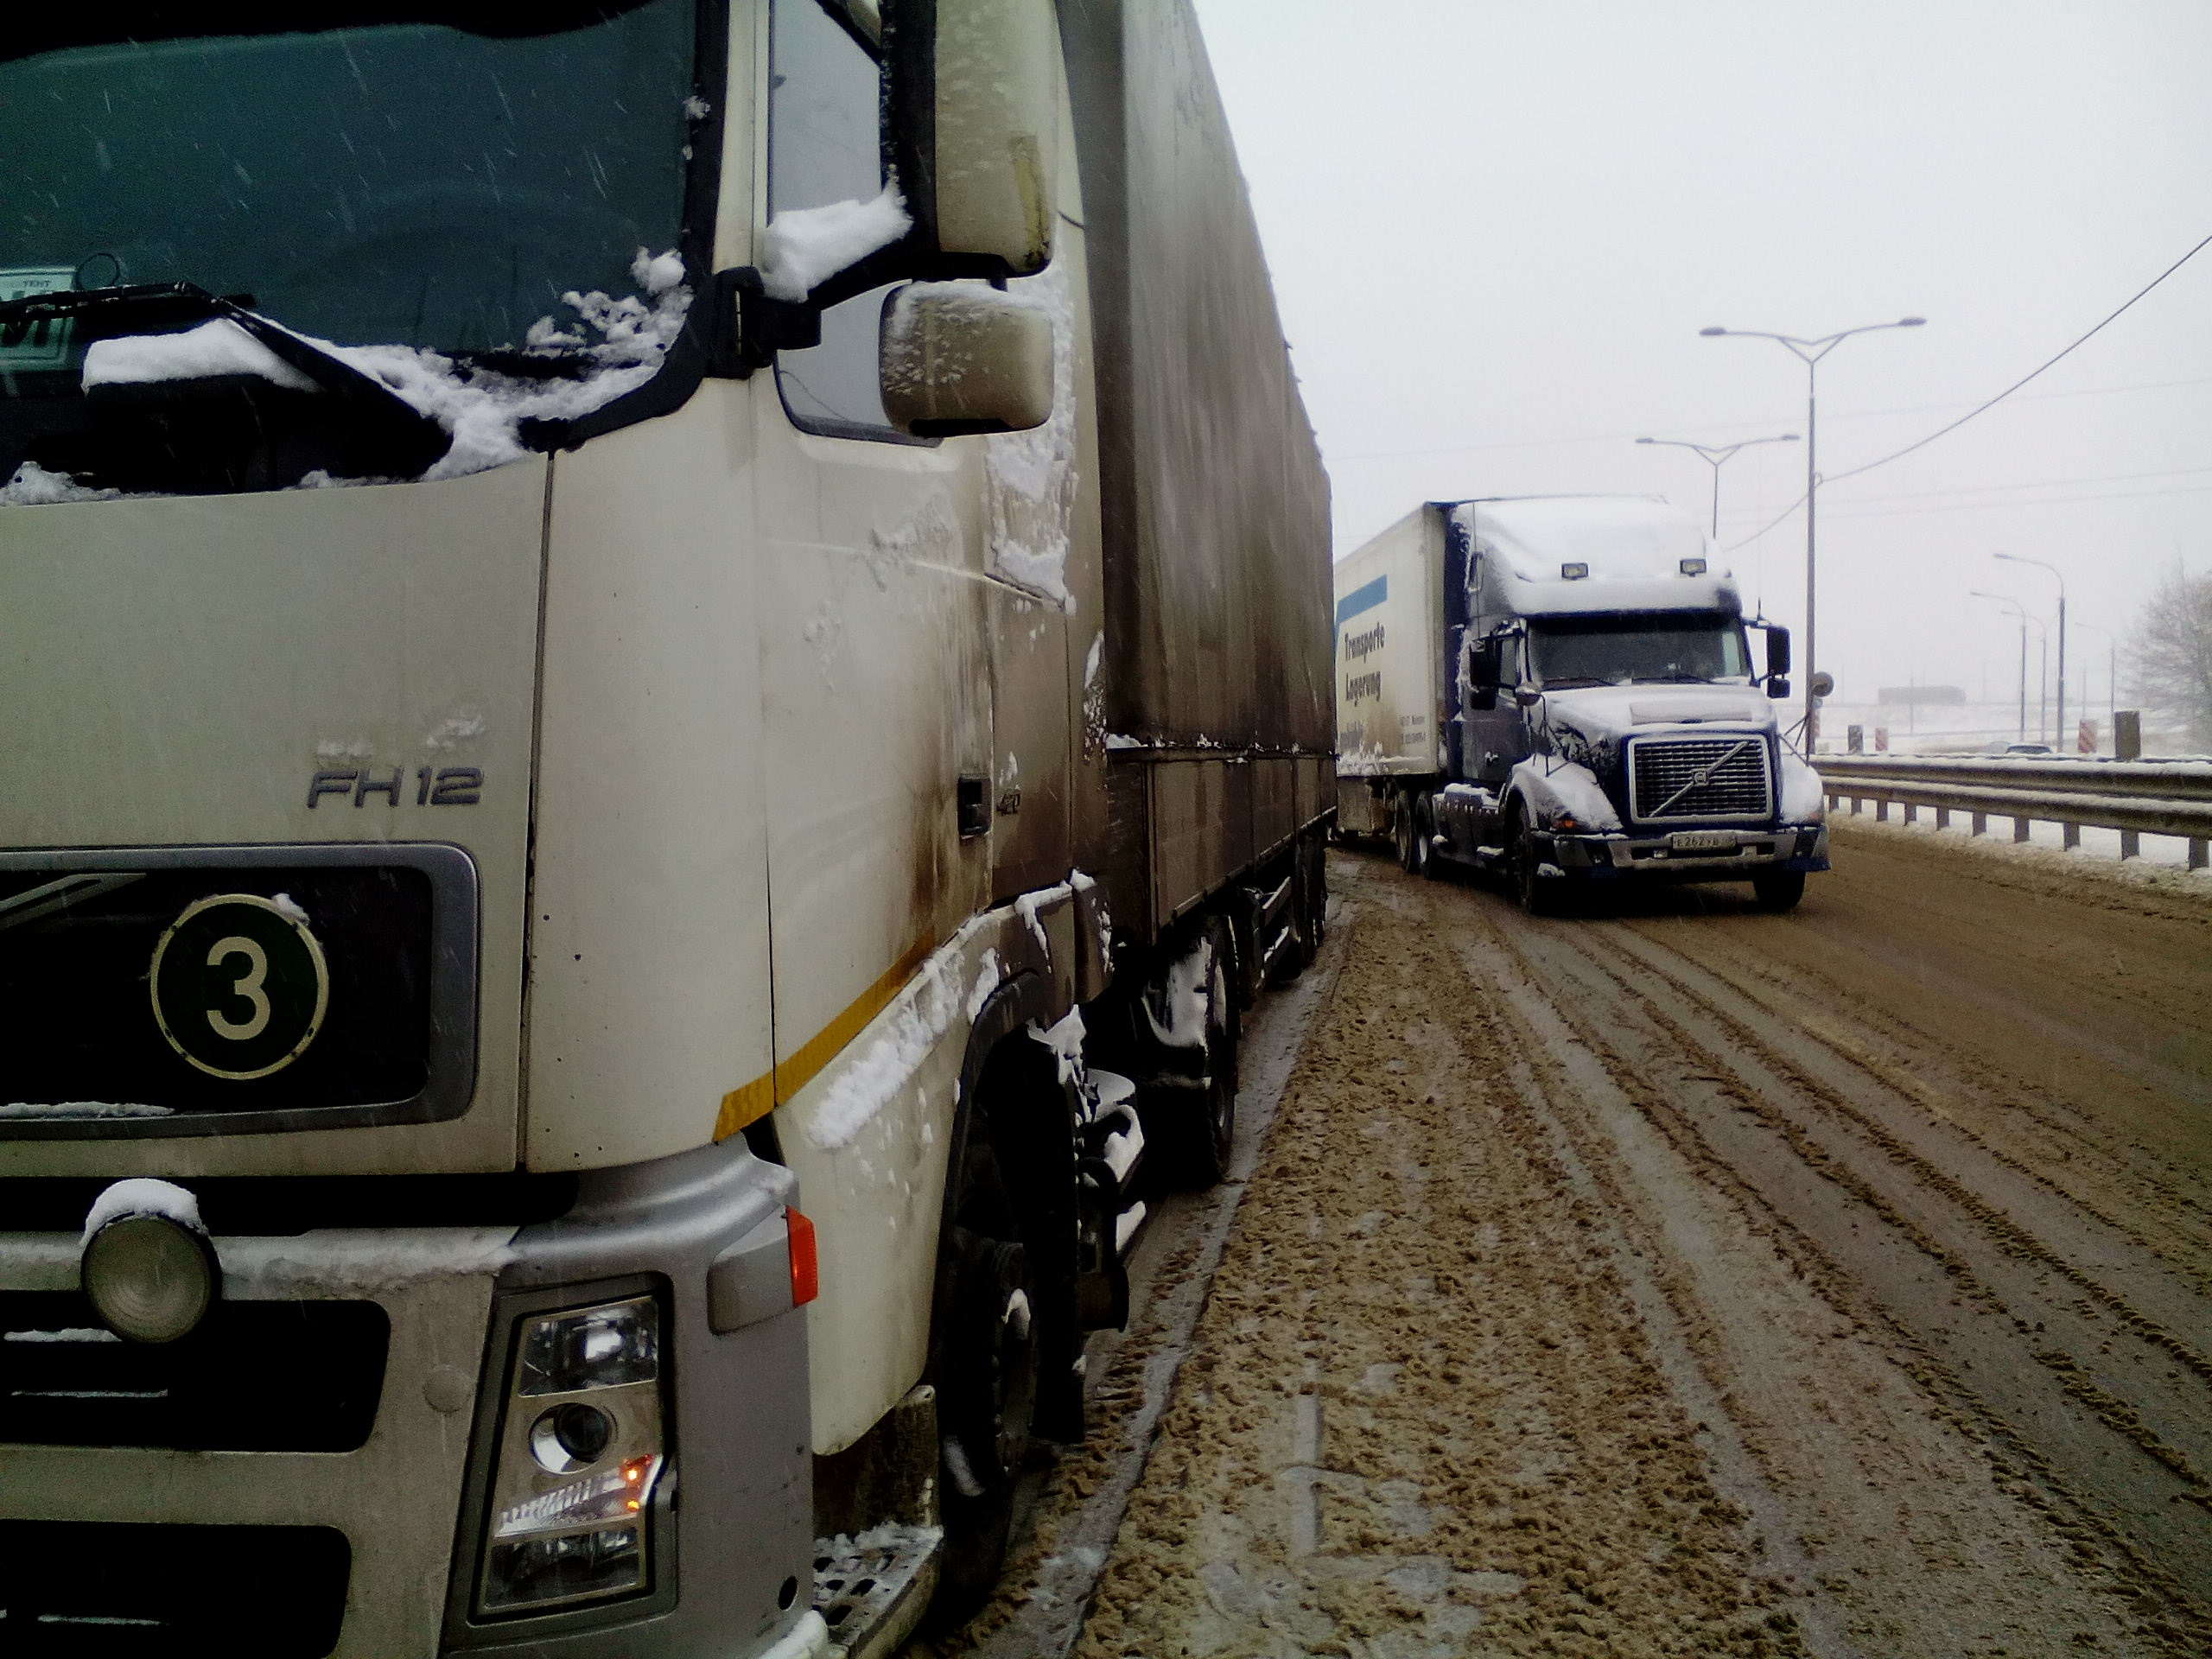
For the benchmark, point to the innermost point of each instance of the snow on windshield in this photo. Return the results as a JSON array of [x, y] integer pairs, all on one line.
[[621, 342], [625, 338], [219, 348]]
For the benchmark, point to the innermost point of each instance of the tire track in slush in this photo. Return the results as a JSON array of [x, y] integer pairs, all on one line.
[[1896, 1236], [2177, 1228], [1424, 1416], [1917, 1544]]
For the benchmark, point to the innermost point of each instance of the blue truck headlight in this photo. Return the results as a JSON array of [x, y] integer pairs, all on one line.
[[581, 1447]]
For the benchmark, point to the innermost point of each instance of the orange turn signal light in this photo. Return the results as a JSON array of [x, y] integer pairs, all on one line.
[[806, 1271]]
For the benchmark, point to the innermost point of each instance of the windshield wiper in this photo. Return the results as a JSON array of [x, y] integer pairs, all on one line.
[[399, 440]]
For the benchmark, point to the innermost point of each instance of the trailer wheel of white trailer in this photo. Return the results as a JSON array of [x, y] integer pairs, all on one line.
[[1779, 890], [1430, 865], [1405, 832]]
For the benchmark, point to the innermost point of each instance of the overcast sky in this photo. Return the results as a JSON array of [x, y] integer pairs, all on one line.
[[1496, 226]]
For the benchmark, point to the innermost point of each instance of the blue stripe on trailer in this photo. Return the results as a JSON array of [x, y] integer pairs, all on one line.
[[1363, 598]]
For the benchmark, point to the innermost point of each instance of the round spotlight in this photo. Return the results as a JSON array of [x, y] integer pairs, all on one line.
[[152, 1280], [571, 1437]]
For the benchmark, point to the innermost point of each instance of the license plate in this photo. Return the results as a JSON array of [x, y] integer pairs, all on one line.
[[1702, 841]]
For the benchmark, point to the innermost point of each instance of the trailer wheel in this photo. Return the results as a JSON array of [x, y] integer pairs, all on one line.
[[986, 1372], [1314, 865], [1202, 1132], [1401, 834], [1779, 890]]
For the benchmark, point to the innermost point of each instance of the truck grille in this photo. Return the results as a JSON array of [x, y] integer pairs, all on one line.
[[88, 1056], [1700, 777], [99, 1588], [255, 1377]]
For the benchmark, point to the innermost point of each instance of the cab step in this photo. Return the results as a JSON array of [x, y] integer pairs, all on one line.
[[871, 1590]]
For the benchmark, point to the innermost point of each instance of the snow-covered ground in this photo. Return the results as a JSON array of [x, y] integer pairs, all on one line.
[[2046, 843]]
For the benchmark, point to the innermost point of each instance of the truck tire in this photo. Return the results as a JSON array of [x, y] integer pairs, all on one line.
[[1403, 835], [986, 1372], [1425, 827], [1779, 890], [1538, 896], [1201, 1133], [1313, 866], [1298, 946]]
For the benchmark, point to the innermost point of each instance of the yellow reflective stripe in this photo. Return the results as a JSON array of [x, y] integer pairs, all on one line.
[[765, 1093]]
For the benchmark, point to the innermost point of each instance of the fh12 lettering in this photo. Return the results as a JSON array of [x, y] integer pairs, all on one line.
[[431, 786]]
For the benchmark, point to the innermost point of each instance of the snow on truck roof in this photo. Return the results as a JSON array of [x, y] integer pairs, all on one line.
[[1568, 553]]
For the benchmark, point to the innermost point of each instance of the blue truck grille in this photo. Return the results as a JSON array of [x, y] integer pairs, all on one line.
[[1700, 777]]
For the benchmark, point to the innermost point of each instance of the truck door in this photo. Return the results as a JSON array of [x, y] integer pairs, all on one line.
[[1497, 733]]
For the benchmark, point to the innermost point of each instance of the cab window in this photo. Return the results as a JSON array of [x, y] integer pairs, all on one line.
[[824, 146]]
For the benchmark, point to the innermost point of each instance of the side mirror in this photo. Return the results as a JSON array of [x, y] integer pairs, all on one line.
[[960, 357], [1777, 650], [1777, 686], [974, 105], [1527, 695]]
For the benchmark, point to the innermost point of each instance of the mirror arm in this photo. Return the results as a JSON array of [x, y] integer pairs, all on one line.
[[742, 329]]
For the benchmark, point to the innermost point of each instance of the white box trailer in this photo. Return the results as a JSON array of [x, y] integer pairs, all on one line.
[[1389, 600], [1560, 688], [665, 677]]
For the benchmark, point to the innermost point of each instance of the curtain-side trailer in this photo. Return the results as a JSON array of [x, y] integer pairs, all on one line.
[[666, 678]]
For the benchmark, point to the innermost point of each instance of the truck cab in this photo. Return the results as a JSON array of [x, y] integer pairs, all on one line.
[[1600, 714]]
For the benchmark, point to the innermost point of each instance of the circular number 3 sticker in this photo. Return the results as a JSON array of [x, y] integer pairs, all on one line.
[[239, 986]]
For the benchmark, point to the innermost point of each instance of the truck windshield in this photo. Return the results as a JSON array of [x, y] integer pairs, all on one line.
[[366, 173], [1616, 648]]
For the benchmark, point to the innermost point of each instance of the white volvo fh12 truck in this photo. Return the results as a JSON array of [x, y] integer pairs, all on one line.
[[665, 678], [1560, 688]]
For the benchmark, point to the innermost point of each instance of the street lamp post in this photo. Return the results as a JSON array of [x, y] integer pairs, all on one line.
[[1713, 455], [1810, 351], [2016, 558], [2020, 611]]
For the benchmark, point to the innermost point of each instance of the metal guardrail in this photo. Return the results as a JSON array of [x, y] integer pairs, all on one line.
[[2136, 797]]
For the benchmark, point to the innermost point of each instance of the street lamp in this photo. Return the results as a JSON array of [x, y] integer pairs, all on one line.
[[2016, 558], [1714, 454], [2020, 611], [1810, 351]]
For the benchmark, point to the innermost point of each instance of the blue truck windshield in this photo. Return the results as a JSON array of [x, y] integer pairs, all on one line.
[[391, 180], [1616, 648]]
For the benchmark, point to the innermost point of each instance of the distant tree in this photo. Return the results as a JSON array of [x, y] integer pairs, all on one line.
[[2173, 653]]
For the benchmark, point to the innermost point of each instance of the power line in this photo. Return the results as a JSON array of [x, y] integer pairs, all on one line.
[[2049, 501], [1980, 408], [1739, 426], [2039, 484], [1989, 404]]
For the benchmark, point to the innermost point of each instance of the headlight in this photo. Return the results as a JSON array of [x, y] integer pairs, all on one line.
[[580, 1449]]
